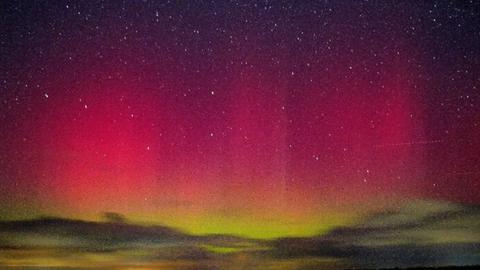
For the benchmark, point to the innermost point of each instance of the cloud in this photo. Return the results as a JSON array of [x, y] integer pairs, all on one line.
[[418, 233], [65, 233]]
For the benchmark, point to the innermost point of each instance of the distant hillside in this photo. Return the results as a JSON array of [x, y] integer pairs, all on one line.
[[59, 232], [421, 233]]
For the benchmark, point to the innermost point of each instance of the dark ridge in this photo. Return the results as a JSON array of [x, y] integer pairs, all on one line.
[[112, 231]]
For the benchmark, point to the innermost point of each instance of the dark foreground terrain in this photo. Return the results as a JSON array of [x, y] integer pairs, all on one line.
[[405, 238]]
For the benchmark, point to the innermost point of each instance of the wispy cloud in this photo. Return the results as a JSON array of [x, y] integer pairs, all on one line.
[[418, 233]]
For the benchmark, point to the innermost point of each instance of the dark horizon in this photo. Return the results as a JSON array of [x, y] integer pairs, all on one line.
[[374, 243]]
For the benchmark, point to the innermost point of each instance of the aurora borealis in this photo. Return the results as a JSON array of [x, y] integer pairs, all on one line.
[[258, 119]]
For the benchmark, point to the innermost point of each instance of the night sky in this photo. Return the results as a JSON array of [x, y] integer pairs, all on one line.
[[261, 119]]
